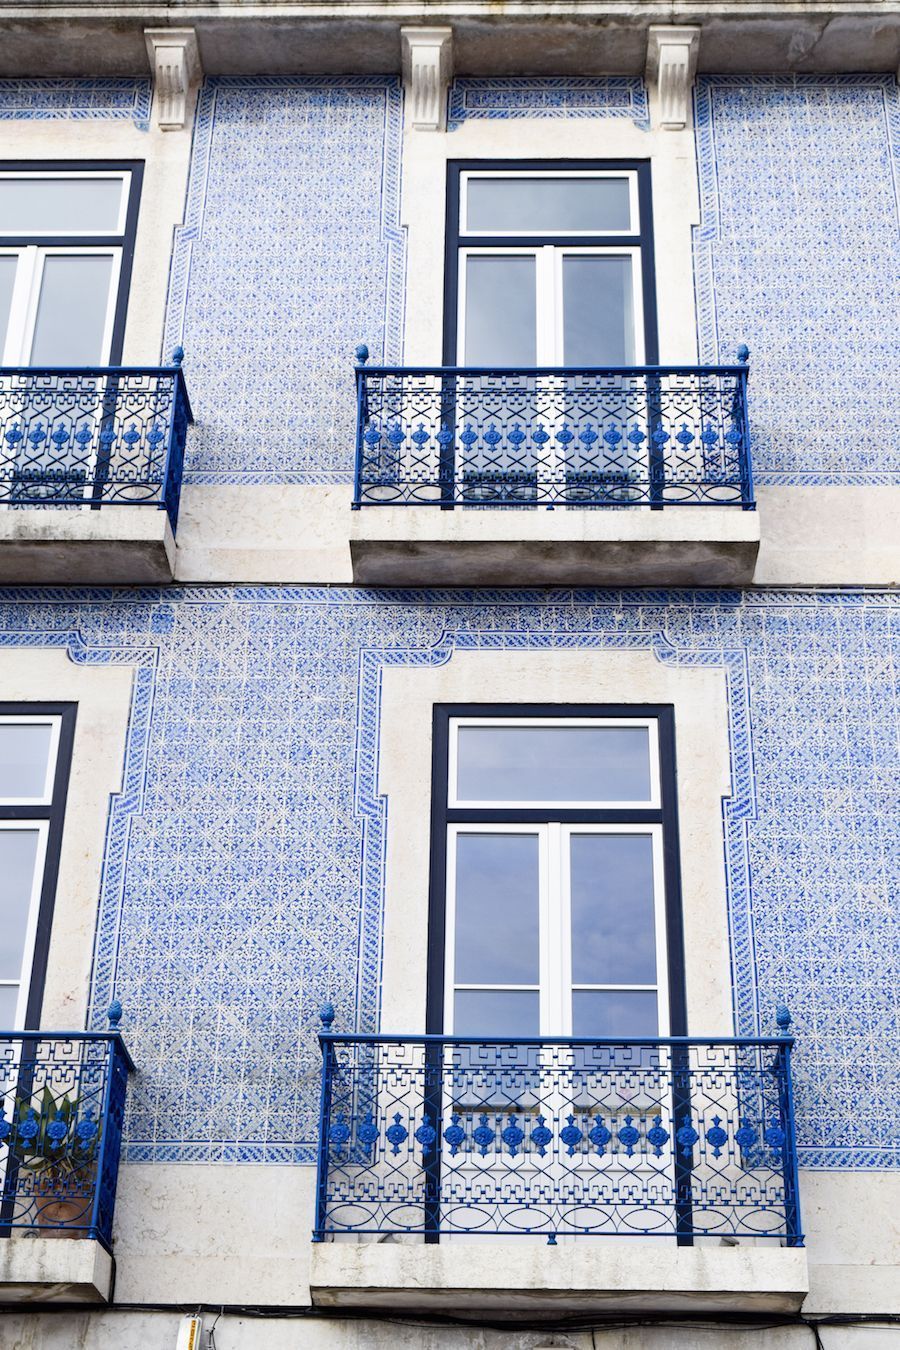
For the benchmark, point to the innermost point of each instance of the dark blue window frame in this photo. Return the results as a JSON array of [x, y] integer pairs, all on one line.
[[643, 239]]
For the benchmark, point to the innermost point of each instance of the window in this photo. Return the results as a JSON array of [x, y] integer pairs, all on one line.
[[66, 245], [35, 753], [555, 907], [549, 265]]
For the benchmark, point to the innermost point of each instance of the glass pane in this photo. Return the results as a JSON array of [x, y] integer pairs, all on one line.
[[9, 997], [628, 1013], [501, 311], [553, 764], [18, 857], [613, 910], [598, 311], [24, 751], [71, 314], [8, 264], [60, 205], [497, 909], [496, 1012], [548, 205]]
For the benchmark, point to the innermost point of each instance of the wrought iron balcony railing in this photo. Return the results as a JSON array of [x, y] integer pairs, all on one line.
[[62, 1103], [443, 1135], [555, 437], [93, 437]]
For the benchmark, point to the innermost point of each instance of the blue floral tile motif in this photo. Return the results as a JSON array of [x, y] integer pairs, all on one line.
[[291, 253], [111, 99], [798, 255], [555, 96], [244, 868]]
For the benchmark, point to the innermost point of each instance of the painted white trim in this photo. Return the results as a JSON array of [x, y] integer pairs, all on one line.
[[651, 803], [58, 230], [55, 722], [633, 203]]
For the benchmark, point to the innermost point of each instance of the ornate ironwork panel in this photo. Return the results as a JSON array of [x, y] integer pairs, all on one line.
[[62, 1104], [91, 438], [556, 437], [672, 1138]]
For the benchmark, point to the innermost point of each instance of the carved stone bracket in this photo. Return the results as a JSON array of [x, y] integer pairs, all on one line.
[[175, 62], [427, 70], [672, 65]]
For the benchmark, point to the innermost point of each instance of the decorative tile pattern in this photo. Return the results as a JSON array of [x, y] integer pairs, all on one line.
[[244, 868], [798, 255], [290, 255], [118, 100], [557, 96]]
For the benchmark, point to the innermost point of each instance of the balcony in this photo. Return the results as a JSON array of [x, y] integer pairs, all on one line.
[[523, 1175], [90, 472], [553, 476], [62, 1102]]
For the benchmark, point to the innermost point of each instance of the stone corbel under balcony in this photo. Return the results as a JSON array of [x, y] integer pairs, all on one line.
[[175, 63], [671, 65], [427, 71]]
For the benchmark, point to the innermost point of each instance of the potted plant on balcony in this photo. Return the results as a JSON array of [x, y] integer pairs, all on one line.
[[499, 487], [55, 1151], [601, 487]]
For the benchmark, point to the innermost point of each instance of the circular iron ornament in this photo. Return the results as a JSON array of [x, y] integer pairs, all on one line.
[[745, 1137], [600, 1135], [57, 1130], [541, 1136], [396, 1133], [368, 1131], [5, 1126], [571, 1136], [426, 1135], [29, 1127], [629, 1136], [86, 1129], [775, 1134], [657, 1136], [686, 1136], [513, 1136], [455, 1136], [339, 1132], [716, 1137], [540, 437], [483, 1135]]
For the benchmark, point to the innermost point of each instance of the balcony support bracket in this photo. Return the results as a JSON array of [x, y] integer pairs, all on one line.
[[671, 65], [427, 71], [175, 62]]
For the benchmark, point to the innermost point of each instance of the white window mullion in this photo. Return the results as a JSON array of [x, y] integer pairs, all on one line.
[[18, 334], [550, 935], [546, 306]]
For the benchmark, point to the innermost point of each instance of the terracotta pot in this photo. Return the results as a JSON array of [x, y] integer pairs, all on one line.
[[57, 1218]]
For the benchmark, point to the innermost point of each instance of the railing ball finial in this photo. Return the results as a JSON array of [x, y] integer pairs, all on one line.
[[362, 354], [326, 1016], [177, 355], [743, 353], [783, 1019], [114, 1014]]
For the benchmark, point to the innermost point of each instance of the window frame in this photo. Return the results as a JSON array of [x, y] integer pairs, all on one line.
[[121, 245], [48, 817], [459, 242], [614, 818]]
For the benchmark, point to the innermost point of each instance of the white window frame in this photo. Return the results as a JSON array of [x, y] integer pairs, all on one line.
[[42, 829], [57, 231], [651, 803], [549, 314], [55, 723], [26, 296], [555, 989], [468, 174]]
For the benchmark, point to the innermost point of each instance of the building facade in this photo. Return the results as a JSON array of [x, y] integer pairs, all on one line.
[[449, 468]]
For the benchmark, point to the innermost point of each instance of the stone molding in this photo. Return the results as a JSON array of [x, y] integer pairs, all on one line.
[[672, 64], [175, 62], [427, 71]]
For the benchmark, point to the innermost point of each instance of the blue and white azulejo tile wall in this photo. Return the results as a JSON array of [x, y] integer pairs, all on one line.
[[111, 99], [244, 873], [290, 255], [508, 96], [798, 255]]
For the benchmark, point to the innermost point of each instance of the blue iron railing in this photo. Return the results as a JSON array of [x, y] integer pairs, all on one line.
[[441, 1135], [557, 436], [62, 1104], [93, 437]]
